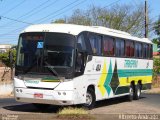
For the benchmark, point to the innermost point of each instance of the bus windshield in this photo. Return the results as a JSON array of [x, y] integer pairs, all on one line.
[[36, 49]]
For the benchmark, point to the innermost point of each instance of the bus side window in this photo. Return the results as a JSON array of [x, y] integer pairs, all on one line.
[[145, 51], [81, 41], [108, 46], [138, 50], [81, 54], [119, 48], [129, 49], [95, 41]]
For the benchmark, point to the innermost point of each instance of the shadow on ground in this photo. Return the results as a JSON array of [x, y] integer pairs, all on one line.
[[55, 109], [31, 108], [113, 101]]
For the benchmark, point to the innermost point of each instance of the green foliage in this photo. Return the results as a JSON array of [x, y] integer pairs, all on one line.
[[157, 27], [4, 57], [123, 17], [156, 66], [59, 21], [155, 40]]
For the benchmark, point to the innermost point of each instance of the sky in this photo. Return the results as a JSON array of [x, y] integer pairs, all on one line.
[[15, 15]]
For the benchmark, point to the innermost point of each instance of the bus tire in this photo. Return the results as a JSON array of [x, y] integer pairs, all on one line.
[[90, 99], [131, 93], [41, 106], [137, 92]]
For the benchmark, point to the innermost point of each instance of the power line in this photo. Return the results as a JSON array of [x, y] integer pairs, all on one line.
[[65, 10], [135, 2], [4, 34], [10, 35], [15, 20], [12, 31], [42, 8], [10, 23], [56, 11], [112, 3], [35, 8], [8, 41], [58, 14], [92, 2], [11, 9]]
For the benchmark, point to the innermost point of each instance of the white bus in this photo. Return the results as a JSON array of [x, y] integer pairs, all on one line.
[[65, 64]]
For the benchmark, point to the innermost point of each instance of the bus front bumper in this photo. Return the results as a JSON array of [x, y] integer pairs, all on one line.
[[43, 96]]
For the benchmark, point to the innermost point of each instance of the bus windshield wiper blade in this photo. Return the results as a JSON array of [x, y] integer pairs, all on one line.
[[51, 69]]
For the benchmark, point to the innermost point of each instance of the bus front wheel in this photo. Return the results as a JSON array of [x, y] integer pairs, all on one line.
[[90, 99]]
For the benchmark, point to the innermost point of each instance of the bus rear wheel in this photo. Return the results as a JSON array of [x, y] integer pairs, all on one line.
[[90, 99], [137, 92], [131, 93]]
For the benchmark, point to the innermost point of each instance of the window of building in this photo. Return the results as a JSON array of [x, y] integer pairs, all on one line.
[[138, 50], [108, 46], [119, 48], [95, 41], [129, 49]]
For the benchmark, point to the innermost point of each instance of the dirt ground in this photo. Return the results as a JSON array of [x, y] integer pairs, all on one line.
[[154, 90]]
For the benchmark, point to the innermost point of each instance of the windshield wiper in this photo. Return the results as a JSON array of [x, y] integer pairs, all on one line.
[[51, 69]]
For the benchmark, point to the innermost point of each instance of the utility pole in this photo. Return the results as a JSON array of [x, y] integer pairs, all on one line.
[[146, 19]]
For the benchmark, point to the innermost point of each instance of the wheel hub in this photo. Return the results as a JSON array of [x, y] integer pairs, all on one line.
[[88, 99], [138, 92]]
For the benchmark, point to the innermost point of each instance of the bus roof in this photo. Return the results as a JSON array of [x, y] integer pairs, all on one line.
[[76, 29]]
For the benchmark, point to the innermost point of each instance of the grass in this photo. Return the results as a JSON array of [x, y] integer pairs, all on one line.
[[72, 113], [155, 85]]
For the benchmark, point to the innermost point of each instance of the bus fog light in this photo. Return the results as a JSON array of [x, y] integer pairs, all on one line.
[[17, 90], [21, 90], [59, 93], [64, 93]]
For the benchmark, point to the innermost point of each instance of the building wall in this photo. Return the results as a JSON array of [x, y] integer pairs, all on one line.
[[4, 48]]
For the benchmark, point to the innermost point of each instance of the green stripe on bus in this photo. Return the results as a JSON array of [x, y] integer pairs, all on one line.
[[134, 72]]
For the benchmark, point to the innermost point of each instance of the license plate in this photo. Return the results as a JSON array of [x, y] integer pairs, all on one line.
[[38, 95]]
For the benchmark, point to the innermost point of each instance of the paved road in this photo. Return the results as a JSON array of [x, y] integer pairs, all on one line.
[[149, 103]]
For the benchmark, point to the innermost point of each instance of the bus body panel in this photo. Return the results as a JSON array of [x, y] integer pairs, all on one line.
[[116, 74], [109, 76]]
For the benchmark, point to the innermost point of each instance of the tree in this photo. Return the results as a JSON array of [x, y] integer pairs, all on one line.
[[59, 21], [155, 40], [157, 27], [157, 31], [121, 17], [4, 57], [79, 17]]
